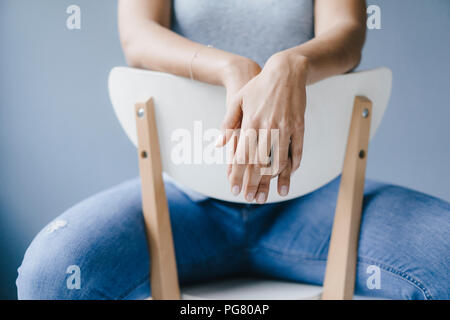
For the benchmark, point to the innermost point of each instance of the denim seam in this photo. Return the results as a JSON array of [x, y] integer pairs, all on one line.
[[208, 263], [415, 281], [303, 254], [402, 275], [100, 292], [146, 277], [129, 291]]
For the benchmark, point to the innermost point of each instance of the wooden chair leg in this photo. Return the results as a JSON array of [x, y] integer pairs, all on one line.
[[163, 269], [340, 273]]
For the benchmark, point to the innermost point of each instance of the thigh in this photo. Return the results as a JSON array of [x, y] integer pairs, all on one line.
[[402, 241], [103, 239]]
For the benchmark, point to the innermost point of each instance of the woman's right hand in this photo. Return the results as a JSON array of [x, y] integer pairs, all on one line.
[[236, 75]]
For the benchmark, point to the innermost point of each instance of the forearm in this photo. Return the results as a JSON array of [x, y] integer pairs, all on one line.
[[149, 44], [334, 52], [340, 28]]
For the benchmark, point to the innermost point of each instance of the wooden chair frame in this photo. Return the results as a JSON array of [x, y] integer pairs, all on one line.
[[341, 264]]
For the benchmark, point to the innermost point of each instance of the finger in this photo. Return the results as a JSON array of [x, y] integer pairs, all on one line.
[[263, 189], [284, 180], [296, 149], [235, 177], [250, 139], [280, 150], [231, 121], [264, 144], [251, 182], [238, 165], [231, 151], [244, 155]]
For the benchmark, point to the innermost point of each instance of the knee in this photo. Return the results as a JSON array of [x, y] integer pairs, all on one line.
[[408, 230], [432, 248], [38, 275], [50, 269]]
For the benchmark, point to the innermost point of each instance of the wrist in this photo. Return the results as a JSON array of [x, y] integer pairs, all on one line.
[[239, 69], [290, 64]]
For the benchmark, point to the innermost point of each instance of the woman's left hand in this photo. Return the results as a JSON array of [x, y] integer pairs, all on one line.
[[274, 99]]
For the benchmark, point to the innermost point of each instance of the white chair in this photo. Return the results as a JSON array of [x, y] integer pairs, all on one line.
[[342, 114]]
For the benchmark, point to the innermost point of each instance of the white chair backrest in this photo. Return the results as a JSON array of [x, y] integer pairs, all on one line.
[[188, 114]]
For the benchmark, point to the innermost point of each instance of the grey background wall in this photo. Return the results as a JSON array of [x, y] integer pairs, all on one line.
[[60, 141]]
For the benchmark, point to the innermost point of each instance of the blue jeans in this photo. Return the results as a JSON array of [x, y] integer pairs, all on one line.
[[404, 241]]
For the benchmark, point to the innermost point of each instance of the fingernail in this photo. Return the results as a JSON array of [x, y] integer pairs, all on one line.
[[284, 190], [219, 141], [235, 190], [250, 197], [261, 197]]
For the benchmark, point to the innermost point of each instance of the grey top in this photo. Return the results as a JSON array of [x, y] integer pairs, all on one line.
[[251, 28]]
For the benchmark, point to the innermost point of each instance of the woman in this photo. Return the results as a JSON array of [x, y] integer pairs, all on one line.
[[264, 53]]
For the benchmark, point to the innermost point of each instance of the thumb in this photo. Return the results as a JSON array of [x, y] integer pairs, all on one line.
[[231, 121]]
